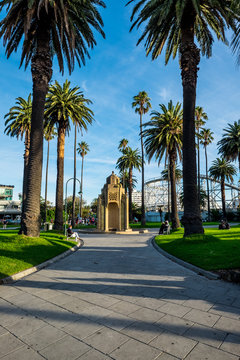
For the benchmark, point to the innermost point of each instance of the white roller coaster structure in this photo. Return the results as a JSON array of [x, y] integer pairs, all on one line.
[[157, 194]]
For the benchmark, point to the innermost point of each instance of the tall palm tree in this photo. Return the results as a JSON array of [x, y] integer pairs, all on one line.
[[222, 170], [87, 116], [141, 103], [82, 150], [121, 147], [63, 104], [18, 123], [200, 120], [47, 28], [163, 136], [122, 144], [206, 138], [229, 145], [49, 133], [176, 24], [130, 159]]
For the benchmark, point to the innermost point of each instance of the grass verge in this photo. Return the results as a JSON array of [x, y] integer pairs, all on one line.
[[18, 252], [216, 249]]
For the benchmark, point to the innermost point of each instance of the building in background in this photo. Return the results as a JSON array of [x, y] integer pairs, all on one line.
[[9, 209]]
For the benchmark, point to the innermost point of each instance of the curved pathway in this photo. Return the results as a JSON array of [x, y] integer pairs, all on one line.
[[118, 298]]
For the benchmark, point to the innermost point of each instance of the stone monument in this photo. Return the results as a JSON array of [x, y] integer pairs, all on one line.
[[112, 210]]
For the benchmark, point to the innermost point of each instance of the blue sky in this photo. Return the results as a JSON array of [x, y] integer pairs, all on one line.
[[116, 72]]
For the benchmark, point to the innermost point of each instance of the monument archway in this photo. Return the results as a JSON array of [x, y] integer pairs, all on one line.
[[113, 216]]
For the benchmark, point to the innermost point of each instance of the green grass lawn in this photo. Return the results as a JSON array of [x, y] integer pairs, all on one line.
[[217, 249], [18, 253], [81, 226], [158, 224]]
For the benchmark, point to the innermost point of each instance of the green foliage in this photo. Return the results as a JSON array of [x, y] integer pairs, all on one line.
[[165, 20], [217, 249], [229, 145], [19, 252], [216, 214], [163, 133], [68, 23]]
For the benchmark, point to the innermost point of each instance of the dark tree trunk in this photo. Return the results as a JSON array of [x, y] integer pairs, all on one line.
[[189, 65], [130, 195], [174, 215], [74, 177], [169, 192], [46, 182], [81, 187], [143, 216], [198, 154], [25, 171], [41, 68], [223, 197], [58, 223], [208, 197]]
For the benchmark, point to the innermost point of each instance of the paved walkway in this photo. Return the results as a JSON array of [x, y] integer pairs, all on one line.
[[118, 298]]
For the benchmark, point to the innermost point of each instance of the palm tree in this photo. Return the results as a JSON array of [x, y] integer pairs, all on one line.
[[122, 144], [87, 116], [121, 147], [18, 123], [200, 120], [141, 103], [206, 138], [62, 104], [130, 159], [47, 28], [49, 133], [222, 169], [176, 24], [163, 136], [82, 150], [229, 145]]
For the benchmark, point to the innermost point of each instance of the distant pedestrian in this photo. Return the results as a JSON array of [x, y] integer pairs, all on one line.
[[4, 224]]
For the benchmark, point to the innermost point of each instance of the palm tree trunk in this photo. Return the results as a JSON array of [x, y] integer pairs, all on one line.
[[223, 197], [74, 177], [46, 182], [41, 68], [208, 197], [143, 216], [169, 193], [189, 65], [58, 222], [174, 215], [81, 187], [198, 153], [25, 171], [130, 195]]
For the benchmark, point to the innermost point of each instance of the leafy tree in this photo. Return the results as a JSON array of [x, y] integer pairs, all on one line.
[[44, 29], [222, 170], [173, 26], [94, 205], [18, 124], [63, 104], [200, 120], [82, 150], [163, 136], [141, 103], [122, 144], [130, 159], [206, 138]]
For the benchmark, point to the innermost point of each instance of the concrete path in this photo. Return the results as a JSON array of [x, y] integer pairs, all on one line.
[[118, 298]]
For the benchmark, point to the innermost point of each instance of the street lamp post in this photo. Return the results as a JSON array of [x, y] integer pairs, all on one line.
[[65, 226]]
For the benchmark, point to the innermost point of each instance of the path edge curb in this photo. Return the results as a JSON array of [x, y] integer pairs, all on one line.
[[22, 274], [194, 268]]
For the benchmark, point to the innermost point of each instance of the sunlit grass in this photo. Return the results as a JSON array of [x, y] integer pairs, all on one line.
[[19, 252], [216, 249]]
